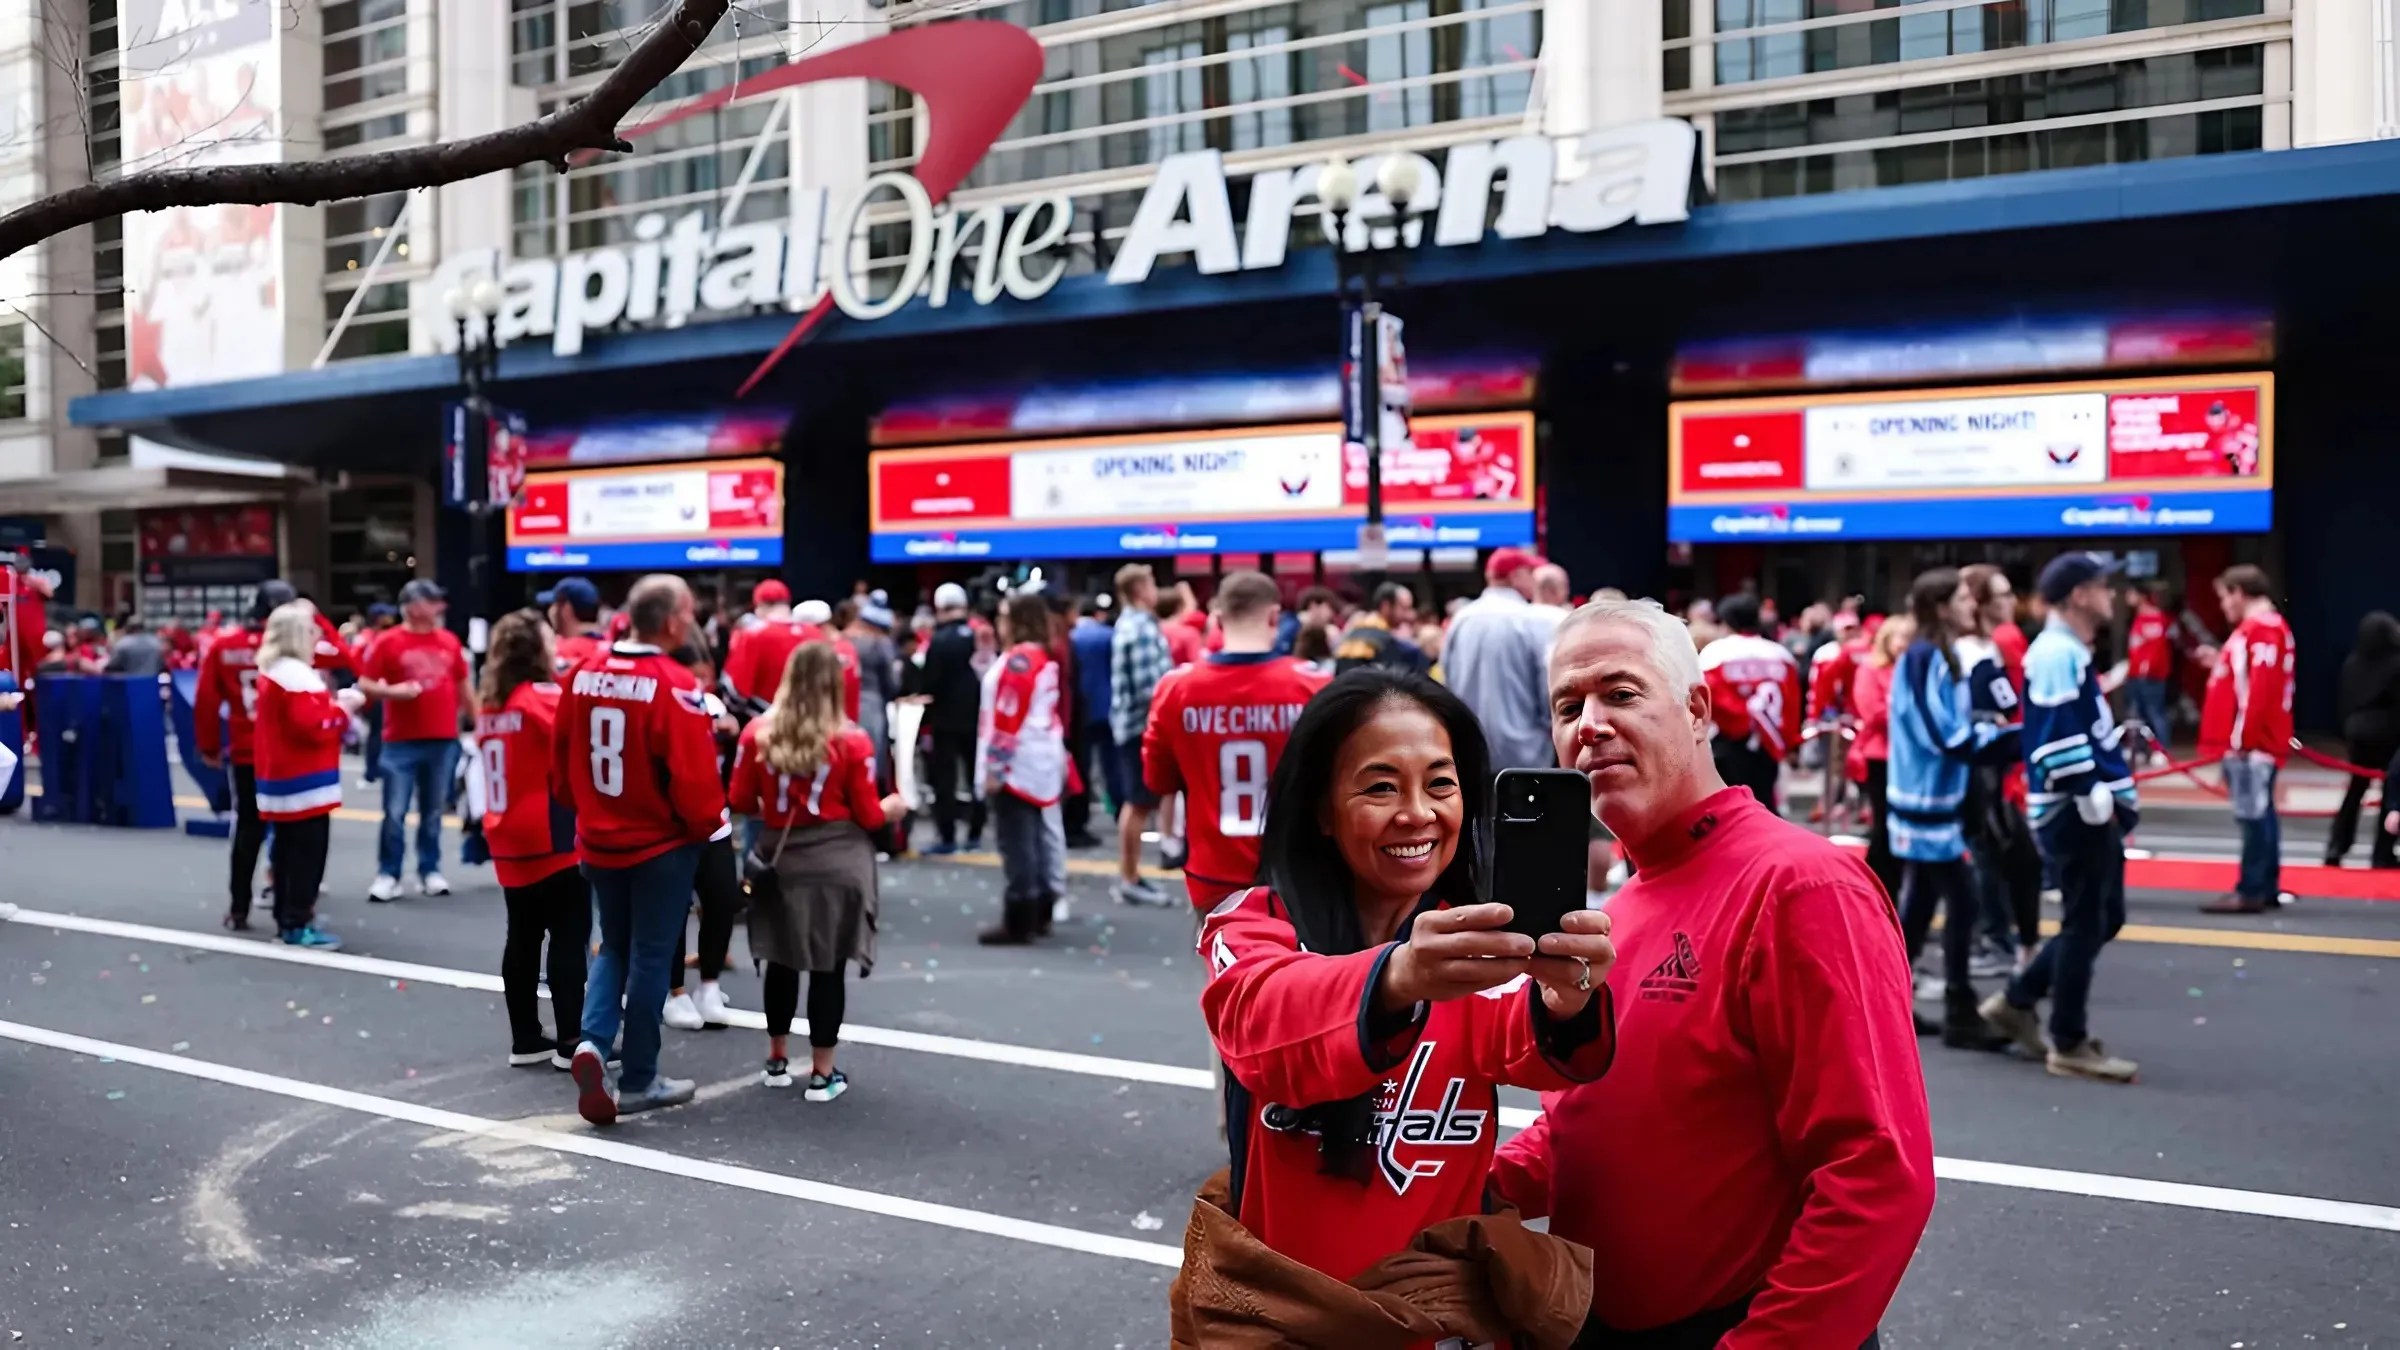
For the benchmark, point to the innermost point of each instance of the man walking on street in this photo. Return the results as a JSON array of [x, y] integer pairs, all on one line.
[[2081, 799], [956, 691], [1137, 660], [639, 762], [418, 673], [2247, 718], [1497, 658], [1090, 743]]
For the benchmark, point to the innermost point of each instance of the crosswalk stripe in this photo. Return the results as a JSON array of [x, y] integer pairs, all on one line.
[[589, 1145], [2097, 1185]]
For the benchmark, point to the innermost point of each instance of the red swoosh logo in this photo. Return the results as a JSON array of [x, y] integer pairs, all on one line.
[[973, 76]]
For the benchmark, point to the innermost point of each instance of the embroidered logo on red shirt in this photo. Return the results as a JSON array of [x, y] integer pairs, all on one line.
[[1675, 979], [1399, 1121]]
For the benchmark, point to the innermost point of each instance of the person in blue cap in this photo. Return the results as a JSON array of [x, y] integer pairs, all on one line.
[[2080, 798], [572, 606]]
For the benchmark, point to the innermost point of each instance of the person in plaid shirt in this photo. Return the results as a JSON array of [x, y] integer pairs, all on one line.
[[1137, 661]]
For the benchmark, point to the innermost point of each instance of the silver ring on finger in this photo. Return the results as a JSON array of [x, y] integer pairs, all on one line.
[[1583, 975]]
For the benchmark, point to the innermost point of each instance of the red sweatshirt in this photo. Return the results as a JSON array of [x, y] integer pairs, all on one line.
[[1763, 1130], [636, 757], [1297, 1029]]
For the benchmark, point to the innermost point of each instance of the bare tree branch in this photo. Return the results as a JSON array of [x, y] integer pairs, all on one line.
[[587, 124]]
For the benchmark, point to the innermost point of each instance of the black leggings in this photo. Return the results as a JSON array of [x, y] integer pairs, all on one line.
[[558, 907], [299, 868], [1879, 838], [249, 835], [719, 886], [826, 999], [1951, 887]]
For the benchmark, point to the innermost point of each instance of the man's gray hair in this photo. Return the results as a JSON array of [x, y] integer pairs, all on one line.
[[1671, 648], [654, 603]]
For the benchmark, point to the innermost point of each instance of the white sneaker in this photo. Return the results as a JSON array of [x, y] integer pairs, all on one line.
[[1930, 988], [681, 1014], [436, 884], [384, 889], [1138, 893], [1061, 910], [713, 1009]]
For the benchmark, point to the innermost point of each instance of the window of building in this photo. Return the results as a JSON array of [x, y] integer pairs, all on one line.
[[1806, 37], [379, 328], [2164, 107], [12, 371], [1675, 62], [355, 231], [366, 52]]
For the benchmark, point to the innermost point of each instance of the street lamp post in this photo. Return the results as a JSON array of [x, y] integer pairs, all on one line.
[[475, 308], [1400, 184]]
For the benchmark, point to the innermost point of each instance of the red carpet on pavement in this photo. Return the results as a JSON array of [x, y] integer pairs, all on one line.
[[2215, 876]]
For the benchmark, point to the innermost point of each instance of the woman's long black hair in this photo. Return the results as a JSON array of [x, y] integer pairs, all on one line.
[[1299, 860]]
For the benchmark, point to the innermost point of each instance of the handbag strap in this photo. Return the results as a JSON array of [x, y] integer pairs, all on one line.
[[780, 842]]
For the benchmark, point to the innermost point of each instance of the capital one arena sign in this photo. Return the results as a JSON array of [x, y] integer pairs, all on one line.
[[973, 76]]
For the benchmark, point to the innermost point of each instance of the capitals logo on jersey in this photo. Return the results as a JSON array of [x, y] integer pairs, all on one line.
[[1402, 1123]]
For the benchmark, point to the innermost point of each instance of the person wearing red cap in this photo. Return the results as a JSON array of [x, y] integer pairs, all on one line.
[[1496, 656], [754, 662]]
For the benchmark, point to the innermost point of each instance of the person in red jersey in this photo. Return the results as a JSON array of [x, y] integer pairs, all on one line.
[[639, 765], [530, 826], [2149, 661], [417, 672], [2247, 719], [1754, 699], [224, 712], [1757, 1166], [573, 608], [813, 620], [1021, 749], [762, 644], [807, 772], [1832, 667], [1217, 729], [1366, 1006], [296, 743], [1870, 758]]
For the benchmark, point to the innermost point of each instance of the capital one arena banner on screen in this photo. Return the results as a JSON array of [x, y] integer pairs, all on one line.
[[724, 513], [1463, 481], [2107, 457]]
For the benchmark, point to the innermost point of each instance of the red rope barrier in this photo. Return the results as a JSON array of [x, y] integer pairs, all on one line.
[[2328, 761]]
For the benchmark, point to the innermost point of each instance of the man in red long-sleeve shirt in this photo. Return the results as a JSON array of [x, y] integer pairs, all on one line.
[[2247, 718], [1758, 1163], [639, 761]]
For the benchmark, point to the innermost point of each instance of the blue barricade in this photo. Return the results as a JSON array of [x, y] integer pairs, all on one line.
[[12, 737], [213, 782], [104, 761]]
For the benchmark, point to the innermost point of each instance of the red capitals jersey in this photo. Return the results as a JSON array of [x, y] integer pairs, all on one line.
[[530, 828], [2249, 703], [1217, 729], [2148, 652], [574, 651], [754, 664], [842, 788], [1293, 1030], [1020, 740], [225, 698], [1830, 672], [1754, 691], [636, 757], [298, 743]]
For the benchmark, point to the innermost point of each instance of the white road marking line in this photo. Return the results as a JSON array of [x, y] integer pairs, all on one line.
[[2097, 1185], [587, 1145], [959, 1047]]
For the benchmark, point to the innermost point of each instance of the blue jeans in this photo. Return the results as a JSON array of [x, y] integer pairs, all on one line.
[[2252, 787], [418, 772], [2090, 865], [641, 909], [2146, 703]]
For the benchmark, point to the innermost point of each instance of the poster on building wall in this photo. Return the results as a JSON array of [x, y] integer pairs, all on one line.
[[200, 87]]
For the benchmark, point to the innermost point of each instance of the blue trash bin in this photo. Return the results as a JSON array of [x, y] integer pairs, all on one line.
[[12, 736], [132, 788], [70, 718]]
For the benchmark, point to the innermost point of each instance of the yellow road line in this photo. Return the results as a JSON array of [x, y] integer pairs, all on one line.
[[2171, 935]]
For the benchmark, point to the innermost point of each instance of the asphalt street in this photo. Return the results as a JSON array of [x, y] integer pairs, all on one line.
[[206, 1140]]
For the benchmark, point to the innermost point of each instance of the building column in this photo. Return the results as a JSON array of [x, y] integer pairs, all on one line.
[[2337, 75]]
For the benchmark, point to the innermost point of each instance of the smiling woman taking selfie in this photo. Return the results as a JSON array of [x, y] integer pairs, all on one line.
[[1367, 1008]]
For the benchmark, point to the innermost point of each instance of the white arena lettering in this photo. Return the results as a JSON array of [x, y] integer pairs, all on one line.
[[608, 684], [1252, 719], [499, 724]]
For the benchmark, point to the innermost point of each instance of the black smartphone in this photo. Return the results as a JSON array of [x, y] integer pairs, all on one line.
[[1541, 833]]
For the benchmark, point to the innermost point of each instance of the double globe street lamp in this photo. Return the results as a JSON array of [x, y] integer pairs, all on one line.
[[1362, 245]]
